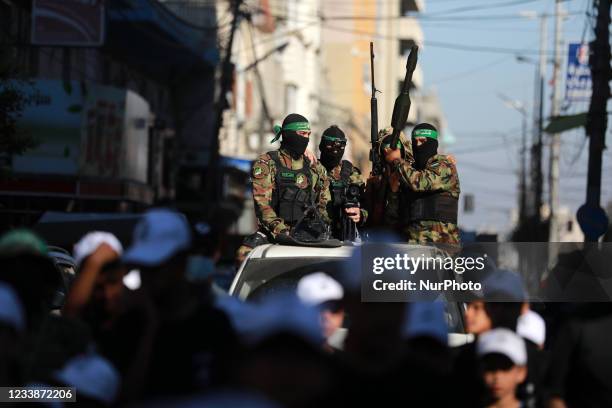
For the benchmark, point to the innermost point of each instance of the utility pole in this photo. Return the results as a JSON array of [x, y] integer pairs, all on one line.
[[522, 184], [591, 217], [536, 155], [555, 141], [523, 175], [214, 166]]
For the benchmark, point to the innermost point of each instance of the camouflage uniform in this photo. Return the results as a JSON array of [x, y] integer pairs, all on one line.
[[335, 176], [263, 176], [439, 175], [381, 202]]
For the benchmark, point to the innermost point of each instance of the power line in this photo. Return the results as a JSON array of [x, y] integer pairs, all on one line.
[[441, 44], [489, 148], [427, 17], [469, 134], [417, 16], [470, 71], [430, 24], [436, 43], [487, 169], [443, 12], [452, 46], [483, 7]]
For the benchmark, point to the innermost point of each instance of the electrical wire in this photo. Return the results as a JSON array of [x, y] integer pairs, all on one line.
[[484, 7], [487, 169], [470, 71], [426, 17], [489, 148], [440, 44]]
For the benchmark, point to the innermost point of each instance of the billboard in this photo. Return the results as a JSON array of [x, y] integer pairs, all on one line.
[[578, 83], [89, 130], [52, 118], [115, 134], [68, 22]]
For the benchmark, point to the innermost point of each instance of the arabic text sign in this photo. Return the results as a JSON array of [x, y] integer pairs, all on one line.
[[578, 84]]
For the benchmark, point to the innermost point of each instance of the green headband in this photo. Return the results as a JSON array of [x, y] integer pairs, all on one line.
[[333, 138], [295, 126], [430, 133], [388, 144]]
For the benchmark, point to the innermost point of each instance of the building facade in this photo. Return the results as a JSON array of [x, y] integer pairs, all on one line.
[[111, 105]]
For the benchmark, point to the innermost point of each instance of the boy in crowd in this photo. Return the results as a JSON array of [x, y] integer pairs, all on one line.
[[321, 290], [503, 358]]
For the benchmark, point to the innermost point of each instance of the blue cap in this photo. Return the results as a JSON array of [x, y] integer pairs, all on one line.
[[11, 311], [504, 285], [282, 312], [426, 319], [161, 234], [92, 376], [200, 268]]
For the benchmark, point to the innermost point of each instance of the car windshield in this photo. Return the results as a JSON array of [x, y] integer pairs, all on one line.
[[263, 277]]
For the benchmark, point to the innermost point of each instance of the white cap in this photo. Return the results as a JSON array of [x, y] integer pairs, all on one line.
[[503, 341], [92, 376], [318, 288], [532, 327], [91, 241], [11, 311]]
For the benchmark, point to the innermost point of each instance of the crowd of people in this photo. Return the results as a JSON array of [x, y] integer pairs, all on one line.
[[175, 339]]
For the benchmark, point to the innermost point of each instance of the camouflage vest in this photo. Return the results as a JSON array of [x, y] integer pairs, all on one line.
[[294, 190]]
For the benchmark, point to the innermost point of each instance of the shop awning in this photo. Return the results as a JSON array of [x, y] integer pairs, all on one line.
[[145, 33]]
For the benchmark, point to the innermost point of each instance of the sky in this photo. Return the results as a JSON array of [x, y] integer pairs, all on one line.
[[487, 132]]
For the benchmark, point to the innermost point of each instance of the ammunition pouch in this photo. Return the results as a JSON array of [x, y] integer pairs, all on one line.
[[291, 203], [289, 200], [434, 207]]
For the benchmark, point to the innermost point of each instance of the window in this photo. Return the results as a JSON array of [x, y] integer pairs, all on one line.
[[407, 6]]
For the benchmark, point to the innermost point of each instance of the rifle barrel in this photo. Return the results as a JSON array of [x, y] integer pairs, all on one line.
[[372, 69], [374, 157]]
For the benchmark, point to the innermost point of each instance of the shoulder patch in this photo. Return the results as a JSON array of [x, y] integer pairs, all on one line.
[[260, 170]]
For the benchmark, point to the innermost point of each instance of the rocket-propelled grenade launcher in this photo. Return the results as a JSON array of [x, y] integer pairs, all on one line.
[[402, 103]]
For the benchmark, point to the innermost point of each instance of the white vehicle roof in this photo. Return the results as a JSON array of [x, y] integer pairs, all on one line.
[[288, 251]]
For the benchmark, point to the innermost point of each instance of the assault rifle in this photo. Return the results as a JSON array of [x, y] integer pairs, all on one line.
[[377, 165]]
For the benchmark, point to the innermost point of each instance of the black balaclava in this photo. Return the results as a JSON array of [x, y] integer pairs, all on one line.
[[293, 143], [425, 151], [332, 147]]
